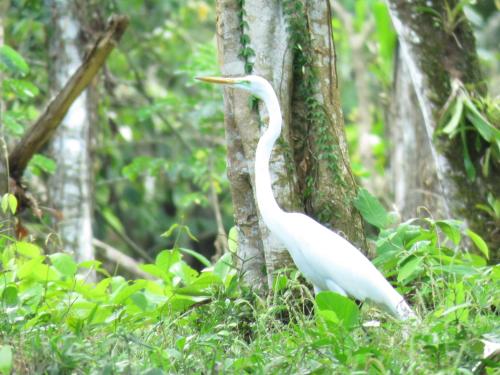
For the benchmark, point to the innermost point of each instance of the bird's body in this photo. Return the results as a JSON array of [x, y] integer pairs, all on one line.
[[326, 259]]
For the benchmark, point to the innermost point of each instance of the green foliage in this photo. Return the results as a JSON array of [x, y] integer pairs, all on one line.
[[246, 52], [9, 203], [182, 321], [306, 83], [5, 359], [44, 290], [372, 210], [337, 310], [463, 115]]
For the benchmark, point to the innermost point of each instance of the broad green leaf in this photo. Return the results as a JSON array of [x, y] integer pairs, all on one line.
[[184, 272], [408, 269], [10, 296], [202, 259], [12, 61], [12, 203], [64, 264], [479, 242], [346, 310], [140, 300], [166, 258], [371, 209], [6, 359], [36, 270], [125, 291], [223, 266], [154, 270], [27, 249], [450, 229]]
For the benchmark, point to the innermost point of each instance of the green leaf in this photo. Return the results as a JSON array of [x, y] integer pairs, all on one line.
[[12, 125], [10, 295], [6, 359], [451, 229], [346, 310], [64, 264], [223, 266], [140, 300], [124, 291], [112, 220], [27, 249], [166, 258], [371, 209], [487, 130], [5, 202], [202, 259], [451, 127], [9, 201], [43, 163], [12, 203], [22, 89], [479, 242], [170, 230], [232, 240], [12, 61], [408, 269]]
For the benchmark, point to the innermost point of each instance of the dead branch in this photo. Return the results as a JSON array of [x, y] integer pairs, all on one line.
[[116, 256], [43, 130]]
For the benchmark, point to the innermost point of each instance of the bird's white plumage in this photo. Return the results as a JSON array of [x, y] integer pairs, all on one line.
[[326, 259]]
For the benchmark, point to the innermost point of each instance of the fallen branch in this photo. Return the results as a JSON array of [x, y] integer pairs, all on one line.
[[124, 261], [43, 130]]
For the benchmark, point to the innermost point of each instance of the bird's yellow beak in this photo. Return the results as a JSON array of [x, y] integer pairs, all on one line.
[[219, 80]]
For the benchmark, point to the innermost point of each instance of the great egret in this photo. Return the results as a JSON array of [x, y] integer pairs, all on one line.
[[326, 259]]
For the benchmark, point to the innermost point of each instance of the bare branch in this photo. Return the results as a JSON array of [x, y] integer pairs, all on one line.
[[116, 256], [43, 130]]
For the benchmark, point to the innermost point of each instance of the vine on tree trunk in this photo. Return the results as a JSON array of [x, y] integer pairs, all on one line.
[[306, 82]]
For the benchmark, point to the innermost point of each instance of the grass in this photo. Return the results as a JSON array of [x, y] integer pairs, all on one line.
[[53, 322]]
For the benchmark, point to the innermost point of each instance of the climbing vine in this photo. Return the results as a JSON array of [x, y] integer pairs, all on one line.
[[246, 52], [306, 83]]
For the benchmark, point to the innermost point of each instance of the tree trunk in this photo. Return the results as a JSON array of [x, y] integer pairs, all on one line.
[[70, 186], [255, 37], [4, 169], [416, 188], [436, 49]]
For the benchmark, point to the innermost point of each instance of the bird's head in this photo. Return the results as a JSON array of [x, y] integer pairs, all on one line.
[[256, 85]]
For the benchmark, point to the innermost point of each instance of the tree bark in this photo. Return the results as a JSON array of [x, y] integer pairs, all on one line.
[[4, 167], [263, 27], [71, 185], [436, 49], [416, 189]]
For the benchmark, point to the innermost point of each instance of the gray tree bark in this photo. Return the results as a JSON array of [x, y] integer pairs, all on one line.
[[70, 187], [4, 169], [264, 27], [435, 49], [416, 189]]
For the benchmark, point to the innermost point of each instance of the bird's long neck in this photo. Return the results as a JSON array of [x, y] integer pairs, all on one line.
[[268, 206]]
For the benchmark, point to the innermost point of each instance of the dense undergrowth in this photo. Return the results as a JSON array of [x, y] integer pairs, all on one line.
[[52, 320]]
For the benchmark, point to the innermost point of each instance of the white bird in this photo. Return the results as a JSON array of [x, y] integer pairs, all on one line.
[[326, 259]]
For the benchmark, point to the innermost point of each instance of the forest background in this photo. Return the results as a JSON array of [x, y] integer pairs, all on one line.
[[142, 187]]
